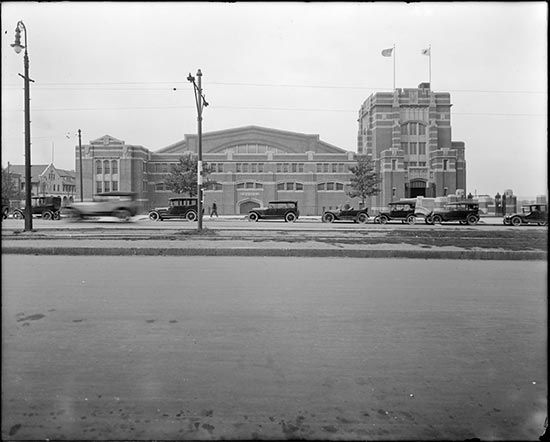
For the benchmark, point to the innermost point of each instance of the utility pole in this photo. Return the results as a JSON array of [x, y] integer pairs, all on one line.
[[80, 152], [201, 103], [17, 46]]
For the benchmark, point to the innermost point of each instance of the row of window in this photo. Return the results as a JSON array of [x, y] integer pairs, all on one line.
[[253, 148], [247, 167], [330, 186], [258, 167], [290, 186], [287, 186], [413, 129], [331, 167], [106, 166], [106, 186], [414, 148]]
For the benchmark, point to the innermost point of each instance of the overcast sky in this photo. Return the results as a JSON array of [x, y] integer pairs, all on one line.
[[111, 68]]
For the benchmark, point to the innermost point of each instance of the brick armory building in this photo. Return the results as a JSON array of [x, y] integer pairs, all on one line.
[[408, 134], [251, 166]]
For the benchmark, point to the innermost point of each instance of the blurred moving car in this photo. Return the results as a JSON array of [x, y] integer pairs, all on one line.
[[287, 210], [465, 212], [531, 214], [403, 211], [122, 205], [346, 213], [183, 208], [5, 208], [46, 206]]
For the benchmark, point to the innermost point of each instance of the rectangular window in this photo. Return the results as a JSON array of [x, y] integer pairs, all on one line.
[[300, 167], [325, 167], [413, 147], [220, 167], [294, 168], [321, 186], [164, 168], [341, 167], [240, 186], [422, 163], [339, 186], [260, 167], [445, 190], [285, 168], [98, 187], [115, 166], [98, 167], [279, 167], [413, 129], [445, 164], [253, 168], [289, 186], [257, 186], [393, 191], [422, 148], [115, 186], [245, 167], [106, 168], [107, 186], [239, 168], [299, 186], [281, 186], [249, 185], [330, 186], [334, 167], [319, 168], [394, 164], [421, 129]]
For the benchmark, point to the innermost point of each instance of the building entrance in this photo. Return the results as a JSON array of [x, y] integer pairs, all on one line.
[[415, 188], [245, 207]]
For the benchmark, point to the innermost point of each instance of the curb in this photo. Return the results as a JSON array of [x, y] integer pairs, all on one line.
[[326, 253]]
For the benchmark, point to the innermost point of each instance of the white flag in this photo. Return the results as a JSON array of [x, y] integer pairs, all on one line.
[[387, 52], [426, 51]]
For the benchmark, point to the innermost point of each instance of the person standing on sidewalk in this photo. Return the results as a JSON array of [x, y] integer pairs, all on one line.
[[214, 210]]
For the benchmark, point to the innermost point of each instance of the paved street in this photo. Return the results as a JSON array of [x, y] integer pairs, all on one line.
[[225, 347]]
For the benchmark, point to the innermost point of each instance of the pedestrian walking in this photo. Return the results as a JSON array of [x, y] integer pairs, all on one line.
[[214, 210]]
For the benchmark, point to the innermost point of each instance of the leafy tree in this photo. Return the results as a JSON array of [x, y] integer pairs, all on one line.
[[365, 180], [183, 176], [9, 191]]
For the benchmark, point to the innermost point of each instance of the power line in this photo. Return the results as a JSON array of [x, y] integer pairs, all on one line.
[[63, 86], [287, 109]]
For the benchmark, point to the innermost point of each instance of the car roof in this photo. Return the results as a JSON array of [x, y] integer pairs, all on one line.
[[183, 198], [283, 201], [455, 203], [410, 203]]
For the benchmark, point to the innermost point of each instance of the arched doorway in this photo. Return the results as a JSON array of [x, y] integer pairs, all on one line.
[[246, 206], [416, 188]]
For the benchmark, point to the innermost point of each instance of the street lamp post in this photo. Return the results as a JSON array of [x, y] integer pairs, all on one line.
[[201, 103], [80, 152], [17, 46]]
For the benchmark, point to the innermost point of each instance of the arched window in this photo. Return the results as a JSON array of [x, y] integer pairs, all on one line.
[[98, 167], [114, 166], [106, 167]]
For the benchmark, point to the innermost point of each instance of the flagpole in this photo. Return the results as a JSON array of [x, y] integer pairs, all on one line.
[[430, 61], [394, 66]]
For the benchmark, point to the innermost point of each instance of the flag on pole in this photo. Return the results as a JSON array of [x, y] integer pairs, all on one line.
[[387, 52], [426, 51]]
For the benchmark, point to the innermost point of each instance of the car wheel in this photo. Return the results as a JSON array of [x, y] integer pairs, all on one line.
[[516, 221], [376, 220], [191, 215], [154, 216], [362, 218], [122, 214], [411, 219], [542, 224], [18, 215], [437, 219], [383, 219], [57, 215], [253, 217], [290, 217], [47, 215], [328, 218], [472, 219]]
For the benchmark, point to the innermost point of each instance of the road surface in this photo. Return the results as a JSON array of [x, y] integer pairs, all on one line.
[[315, 348]]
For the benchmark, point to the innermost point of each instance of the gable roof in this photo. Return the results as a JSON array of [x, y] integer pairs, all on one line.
[[36, 170]]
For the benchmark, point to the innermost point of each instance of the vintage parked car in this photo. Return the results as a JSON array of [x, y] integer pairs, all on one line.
[[183, 208], [287, 210], [465, 212], [403, 211], [531, 214], [46, 206], [5, 208], [122, 205], [346, 213]]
